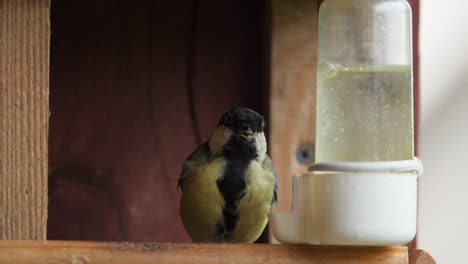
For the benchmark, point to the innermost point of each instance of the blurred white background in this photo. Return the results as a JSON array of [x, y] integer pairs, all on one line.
[[443, 198]]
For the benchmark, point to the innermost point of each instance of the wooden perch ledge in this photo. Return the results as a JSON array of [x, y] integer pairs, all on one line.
[[59, 252]]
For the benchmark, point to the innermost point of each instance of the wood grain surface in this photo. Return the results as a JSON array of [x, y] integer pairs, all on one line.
[[24, 117], [28, 252], [417, 256], [292, 95]]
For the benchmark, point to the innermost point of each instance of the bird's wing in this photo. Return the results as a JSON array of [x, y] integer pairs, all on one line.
[[268, 165], [202, 152]]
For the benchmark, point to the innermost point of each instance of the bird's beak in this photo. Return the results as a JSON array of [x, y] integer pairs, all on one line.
[[244, 133]]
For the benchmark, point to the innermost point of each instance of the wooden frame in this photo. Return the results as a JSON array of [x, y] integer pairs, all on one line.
[[24, 115], [293, 79], [122, 253]]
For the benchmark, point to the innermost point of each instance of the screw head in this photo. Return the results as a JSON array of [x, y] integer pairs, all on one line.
[[305, 154]]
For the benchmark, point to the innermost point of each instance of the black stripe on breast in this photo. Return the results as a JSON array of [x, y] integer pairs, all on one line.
[[238, 154]]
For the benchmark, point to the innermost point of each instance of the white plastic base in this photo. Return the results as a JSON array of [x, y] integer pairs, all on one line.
[[342, 208]]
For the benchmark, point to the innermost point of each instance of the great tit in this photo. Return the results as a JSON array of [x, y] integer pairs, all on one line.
[[228, 183]]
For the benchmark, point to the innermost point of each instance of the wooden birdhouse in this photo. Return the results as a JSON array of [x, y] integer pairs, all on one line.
[[101, 102]]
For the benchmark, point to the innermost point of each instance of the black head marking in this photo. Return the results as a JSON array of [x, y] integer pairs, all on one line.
[[240, 118]]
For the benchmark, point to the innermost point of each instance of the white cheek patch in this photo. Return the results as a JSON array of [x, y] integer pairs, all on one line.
[[260, 142], [227, 134], [219, 138]]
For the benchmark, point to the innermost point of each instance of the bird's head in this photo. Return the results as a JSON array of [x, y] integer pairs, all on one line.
[[240, 128]]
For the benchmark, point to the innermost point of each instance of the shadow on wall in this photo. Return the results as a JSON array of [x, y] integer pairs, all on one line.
[[443, 191], [443, 188]]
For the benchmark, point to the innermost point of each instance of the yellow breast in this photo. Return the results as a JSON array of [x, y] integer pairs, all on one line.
[[254, 207], [202, 204]]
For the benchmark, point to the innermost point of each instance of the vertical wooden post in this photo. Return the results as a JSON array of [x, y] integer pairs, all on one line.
[[416, 99], [293, 81], [24, 114]]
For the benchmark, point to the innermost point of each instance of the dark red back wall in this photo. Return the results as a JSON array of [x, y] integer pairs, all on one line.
[[135, 86]]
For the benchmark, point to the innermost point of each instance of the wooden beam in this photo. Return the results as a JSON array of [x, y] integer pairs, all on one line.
[[293, 81], [417, 256], [24, 113], [416, 91], [28, 252]]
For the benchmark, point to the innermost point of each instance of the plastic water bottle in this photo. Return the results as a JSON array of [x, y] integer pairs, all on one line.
[[364, 81]]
